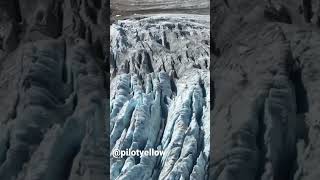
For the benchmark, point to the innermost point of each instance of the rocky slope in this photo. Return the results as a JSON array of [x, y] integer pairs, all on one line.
[[52, 89], [160, 96], [265, 118]]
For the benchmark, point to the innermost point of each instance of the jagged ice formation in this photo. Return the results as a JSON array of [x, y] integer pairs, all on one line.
[[159, 96]]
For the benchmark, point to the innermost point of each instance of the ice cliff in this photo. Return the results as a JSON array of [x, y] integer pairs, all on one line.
[[159, 95]]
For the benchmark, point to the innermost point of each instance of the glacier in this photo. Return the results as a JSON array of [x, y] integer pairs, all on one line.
[[160, 96]]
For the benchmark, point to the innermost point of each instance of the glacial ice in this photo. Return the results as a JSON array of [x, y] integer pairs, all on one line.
[[160, 96]]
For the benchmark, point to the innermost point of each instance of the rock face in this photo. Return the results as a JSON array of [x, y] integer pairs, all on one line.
[[52, 90], [265, 118], [160, 96]]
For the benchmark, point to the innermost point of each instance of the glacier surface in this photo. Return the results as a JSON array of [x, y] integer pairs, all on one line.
[[160, 96]]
